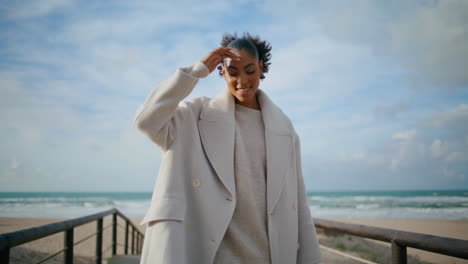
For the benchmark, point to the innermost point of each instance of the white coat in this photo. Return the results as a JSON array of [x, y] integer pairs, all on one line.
[[194, 195]]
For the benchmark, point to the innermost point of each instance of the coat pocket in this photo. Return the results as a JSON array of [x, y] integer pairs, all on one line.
[[166, 208]]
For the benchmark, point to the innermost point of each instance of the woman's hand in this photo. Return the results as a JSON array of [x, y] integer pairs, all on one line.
[[216, 57]]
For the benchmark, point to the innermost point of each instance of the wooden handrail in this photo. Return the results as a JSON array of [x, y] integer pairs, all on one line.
[[400, 239]]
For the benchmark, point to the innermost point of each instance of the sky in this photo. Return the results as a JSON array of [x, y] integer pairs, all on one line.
[[376, 90]]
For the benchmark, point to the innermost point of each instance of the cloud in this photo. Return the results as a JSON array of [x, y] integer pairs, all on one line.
[[405, 135], [31, 9], [438, 149], [15, 164], [390, 112], [451, 174], [428, 39], [452, 119], [413, 157], [457, 157], [433, 40]]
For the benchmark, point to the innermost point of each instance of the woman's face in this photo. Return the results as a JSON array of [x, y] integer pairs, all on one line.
[[243, 78]]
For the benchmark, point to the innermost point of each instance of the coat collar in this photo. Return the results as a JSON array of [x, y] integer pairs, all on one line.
[[217, 131], [221, 109]]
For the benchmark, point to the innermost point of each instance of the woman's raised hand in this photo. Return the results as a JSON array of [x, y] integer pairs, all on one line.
[[216, 57]]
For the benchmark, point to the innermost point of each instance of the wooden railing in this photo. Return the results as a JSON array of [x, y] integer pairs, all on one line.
[[13, 239], [400, 240]]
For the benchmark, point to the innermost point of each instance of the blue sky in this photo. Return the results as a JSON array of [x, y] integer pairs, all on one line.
[[377, 90]]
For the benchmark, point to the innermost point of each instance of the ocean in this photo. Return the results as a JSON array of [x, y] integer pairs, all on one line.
[[428, 204]]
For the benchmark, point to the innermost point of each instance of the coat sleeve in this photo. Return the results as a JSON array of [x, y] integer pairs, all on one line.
[[309, 248], [156, 116]]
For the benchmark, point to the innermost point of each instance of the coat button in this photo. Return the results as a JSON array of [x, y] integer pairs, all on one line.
[[229, 197], [196, 183], [294, 206]]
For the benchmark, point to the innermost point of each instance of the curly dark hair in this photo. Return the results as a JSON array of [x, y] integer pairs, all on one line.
[[263, 48]]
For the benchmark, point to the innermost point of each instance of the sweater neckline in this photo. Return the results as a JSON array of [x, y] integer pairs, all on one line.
[[243, 109]]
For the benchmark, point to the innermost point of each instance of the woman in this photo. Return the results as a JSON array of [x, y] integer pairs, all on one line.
[[230, 187]]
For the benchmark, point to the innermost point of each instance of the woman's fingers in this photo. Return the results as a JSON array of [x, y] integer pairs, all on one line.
[[216, 57], [232, 55]]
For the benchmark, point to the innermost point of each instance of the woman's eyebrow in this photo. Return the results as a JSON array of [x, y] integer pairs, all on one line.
[[248, 65]]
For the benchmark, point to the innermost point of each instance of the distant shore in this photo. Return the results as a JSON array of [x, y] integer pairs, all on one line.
[[85, 251]]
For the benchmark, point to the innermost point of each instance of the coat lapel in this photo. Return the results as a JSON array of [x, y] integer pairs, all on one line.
[[217, 131], [216, 126], [278, 148]]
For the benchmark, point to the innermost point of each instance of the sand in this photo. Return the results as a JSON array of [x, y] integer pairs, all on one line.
[[85, 252]]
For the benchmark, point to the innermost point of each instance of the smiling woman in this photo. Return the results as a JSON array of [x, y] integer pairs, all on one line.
[[242, 76], [230, 188]]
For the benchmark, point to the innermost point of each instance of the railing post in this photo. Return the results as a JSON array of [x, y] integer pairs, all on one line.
[[138, 243], [133, 240], [141, 244], [126, 237], [114, 234], [68, 244], [99, 242], [5, 255], [398, 253]]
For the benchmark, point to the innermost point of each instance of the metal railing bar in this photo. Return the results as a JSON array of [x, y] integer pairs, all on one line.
[[107, 249], [50, 256], [83, 239], [12, 239], [16, 238], [62, 250], [120, 244], [347, 255]]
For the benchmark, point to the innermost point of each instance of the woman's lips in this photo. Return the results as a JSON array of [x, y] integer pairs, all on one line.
[[244, 91]]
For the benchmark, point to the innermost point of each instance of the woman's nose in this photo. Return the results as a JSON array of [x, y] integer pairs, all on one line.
[[242, 81]]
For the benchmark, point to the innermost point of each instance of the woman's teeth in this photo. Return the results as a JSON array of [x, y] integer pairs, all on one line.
[[244, 89]]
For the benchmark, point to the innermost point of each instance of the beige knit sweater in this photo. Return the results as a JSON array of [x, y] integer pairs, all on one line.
[[246, 239]]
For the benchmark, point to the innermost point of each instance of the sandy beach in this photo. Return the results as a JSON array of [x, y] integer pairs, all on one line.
[[85, 251]]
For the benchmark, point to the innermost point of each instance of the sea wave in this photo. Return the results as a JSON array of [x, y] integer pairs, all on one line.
[[427, 205]]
